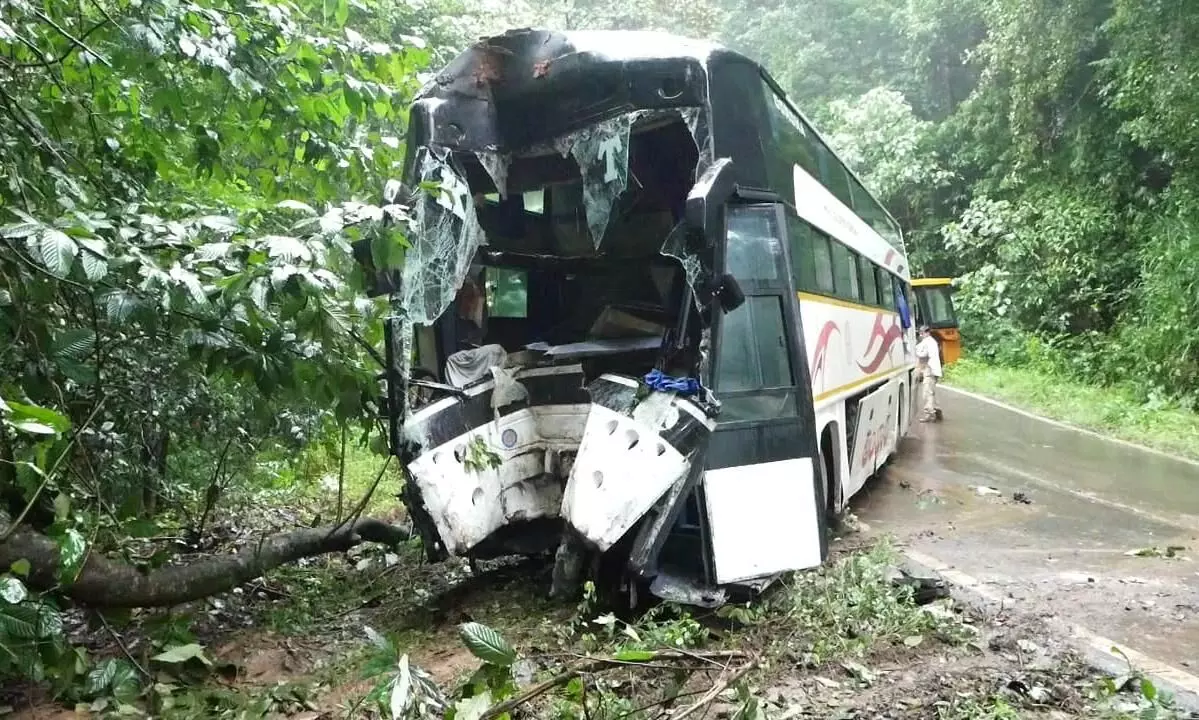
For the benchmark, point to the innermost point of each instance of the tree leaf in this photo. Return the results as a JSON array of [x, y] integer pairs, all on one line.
[[5, 298], [93, 267], [20, 230], [398, 702], [183, 653], [101, 677], [33, 427], [72, 549], [74, 344], [473, 707], [913, 640], [94, 258], [49, 621], [288, 248], [487, 644], [209, 252], [12, 590], [119, 305], [634, 656], [297, 206], [258, 292], [56, 420], [58, 251], [62, 506], [19, 621], [219, 224], [20, 567]]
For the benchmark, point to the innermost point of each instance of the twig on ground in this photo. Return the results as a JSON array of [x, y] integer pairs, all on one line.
[[718, 688], [357, 512], [590, 665], [124, 648]]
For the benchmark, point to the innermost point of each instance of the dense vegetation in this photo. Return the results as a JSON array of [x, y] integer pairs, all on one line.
[[1041, 151], [181, 325]]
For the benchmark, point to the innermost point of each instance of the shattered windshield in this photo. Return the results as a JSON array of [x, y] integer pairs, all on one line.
[[444, 236], [616, 188]]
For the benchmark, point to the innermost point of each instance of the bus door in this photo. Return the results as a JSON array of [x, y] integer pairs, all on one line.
[[934, 308], [761, 493]]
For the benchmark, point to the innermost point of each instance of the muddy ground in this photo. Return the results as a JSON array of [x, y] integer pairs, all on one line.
[[841, 643]]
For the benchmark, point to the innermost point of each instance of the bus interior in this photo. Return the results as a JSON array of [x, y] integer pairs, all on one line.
[[542, 290]]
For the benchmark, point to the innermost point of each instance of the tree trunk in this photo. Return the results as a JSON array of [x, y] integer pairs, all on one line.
[[105, 583]]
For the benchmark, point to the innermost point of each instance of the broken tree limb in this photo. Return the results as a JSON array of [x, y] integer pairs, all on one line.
[[104, 583], [586, 665], [719, 687]]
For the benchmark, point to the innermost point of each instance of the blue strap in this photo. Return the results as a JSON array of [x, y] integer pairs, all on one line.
[[660, 381]]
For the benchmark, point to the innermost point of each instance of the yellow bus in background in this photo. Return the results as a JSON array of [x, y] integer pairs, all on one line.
[[934, 308]]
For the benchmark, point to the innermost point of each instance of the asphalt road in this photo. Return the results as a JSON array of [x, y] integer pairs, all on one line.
[[1043, 518]]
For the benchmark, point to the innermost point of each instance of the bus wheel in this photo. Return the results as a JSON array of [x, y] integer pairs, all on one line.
[[831, 517]]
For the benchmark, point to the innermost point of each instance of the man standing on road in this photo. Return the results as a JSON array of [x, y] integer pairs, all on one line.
[[928, 369]]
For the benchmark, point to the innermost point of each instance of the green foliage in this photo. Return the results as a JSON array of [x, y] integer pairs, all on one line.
[[180, 186], [487, 645], [480, 456], [846, 608]]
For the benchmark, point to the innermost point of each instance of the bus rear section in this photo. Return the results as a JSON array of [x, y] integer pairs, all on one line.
[[597, 349]]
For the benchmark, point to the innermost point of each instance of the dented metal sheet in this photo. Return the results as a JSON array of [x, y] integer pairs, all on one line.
[[632, 452], [479, 469]]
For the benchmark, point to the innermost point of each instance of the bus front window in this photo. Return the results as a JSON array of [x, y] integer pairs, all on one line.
[[940, 308]]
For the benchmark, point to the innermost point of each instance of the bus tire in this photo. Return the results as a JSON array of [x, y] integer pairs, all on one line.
[[832, 518]]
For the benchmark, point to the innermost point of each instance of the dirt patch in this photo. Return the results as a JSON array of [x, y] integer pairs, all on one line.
[[268, 658]]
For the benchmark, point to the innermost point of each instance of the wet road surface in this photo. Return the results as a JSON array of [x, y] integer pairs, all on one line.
[[1051, 529]]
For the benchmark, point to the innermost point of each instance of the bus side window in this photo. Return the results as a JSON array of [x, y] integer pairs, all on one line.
[[834, 176], [803, 254], [886, 290], [845, 270], [822, 261], [507, 293], [869, 282]]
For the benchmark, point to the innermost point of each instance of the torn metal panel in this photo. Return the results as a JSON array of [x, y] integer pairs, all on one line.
[[496, 165], [484, 462], [687, 591], [633, 450]]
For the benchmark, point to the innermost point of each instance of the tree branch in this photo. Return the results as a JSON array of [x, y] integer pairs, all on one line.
[[47, 62], [104, 583], [74, 40], [588, 665]]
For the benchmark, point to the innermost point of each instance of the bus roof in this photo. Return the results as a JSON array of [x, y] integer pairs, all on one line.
[[528, 86], [931, 282]]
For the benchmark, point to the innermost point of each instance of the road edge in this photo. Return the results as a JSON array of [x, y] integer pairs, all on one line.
[[1095, 650], [1068, 426]]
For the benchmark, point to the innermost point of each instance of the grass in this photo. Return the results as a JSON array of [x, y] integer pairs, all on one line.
[[849, 608], [1112, 411]]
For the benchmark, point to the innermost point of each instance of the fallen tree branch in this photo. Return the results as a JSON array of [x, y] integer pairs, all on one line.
[[592, 664], [714, 693], [104, 583]]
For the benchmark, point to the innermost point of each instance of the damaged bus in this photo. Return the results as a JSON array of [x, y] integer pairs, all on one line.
[[647, 320]]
